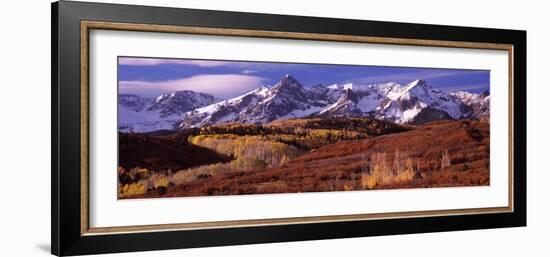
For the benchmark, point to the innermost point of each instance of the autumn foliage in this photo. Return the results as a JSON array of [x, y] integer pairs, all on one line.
[[313, 155]]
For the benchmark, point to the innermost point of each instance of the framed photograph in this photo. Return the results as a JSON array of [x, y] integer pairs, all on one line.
[[178, 128]]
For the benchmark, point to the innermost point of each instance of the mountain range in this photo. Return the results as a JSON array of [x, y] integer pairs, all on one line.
[[414, 103]]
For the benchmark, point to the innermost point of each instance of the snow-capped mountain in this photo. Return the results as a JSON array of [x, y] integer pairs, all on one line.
[[418, 102], [140, 114], [179, 102], [479, 103], [286, 99], [358, 100], [414, 103]]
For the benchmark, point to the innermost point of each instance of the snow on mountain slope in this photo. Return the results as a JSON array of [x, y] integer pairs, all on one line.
[[286, 99], [416, 97], [354, 104], [223, 111], [177, 103], [140, 114], [416, 102], [479, 103]]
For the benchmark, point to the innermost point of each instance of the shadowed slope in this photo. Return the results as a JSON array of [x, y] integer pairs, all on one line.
[[162, 153]]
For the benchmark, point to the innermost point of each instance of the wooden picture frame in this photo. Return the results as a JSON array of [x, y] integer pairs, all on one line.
[[71, 26]]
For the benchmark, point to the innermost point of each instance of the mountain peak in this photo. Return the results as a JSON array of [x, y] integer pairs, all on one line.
[[288, 79], [288, 83], [418, 82]]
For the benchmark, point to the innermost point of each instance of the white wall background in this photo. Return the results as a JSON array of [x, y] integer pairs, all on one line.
[[25, 127]]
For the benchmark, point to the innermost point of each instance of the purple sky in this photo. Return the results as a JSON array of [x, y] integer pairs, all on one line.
[[225, 79]]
